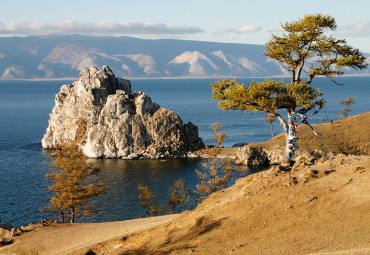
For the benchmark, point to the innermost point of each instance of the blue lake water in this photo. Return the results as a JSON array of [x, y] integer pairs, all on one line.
[[24, 114]]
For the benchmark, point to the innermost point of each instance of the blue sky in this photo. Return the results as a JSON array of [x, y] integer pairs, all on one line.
[[233, 21]]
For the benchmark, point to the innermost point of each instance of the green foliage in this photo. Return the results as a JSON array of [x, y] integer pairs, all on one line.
[[267, 96], [304, 47], [306, 40], [149, 201], [71, 195], [347, 106]]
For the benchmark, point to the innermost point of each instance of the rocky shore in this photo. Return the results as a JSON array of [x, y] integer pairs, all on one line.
[[106, 119]]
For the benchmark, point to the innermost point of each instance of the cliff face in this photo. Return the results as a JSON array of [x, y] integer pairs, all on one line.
[[107, 119]]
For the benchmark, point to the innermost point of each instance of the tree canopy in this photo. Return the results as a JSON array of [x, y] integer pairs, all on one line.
[[303, 48], [306, 43]]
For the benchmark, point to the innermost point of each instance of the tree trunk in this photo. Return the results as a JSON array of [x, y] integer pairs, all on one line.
[[147, 213], [63, 216], [272, 130], [72, 215], [291, 137]]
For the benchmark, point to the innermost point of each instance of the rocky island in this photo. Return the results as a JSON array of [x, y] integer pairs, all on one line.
[[106, 119]]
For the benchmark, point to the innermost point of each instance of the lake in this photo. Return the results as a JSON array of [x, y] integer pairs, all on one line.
[[24, 114]]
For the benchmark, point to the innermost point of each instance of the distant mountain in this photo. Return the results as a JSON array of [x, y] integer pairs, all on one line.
[[64, 56]]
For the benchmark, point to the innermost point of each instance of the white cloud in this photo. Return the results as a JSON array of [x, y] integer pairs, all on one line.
[[245, 29], [249, 29], [361, 29], [94, 28]]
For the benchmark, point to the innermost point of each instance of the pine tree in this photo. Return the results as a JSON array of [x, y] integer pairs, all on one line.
[[71, 195], [303, 48], [347, 106]]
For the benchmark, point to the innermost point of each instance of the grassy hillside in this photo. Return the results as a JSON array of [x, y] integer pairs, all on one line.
[[349, 135]]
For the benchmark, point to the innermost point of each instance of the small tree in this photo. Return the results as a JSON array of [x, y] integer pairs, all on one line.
[[270, 119], [347, 106], [304, 45], [180, 198], [149, 201], [71, 195], [215, 173]]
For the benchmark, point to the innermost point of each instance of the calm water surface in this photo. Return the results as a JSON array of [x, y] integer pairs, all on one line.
[[24, 113]]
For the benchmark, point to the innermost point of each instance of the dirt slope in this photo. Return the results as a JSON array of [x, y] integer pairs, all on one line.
[[66, 238], [321, 208]]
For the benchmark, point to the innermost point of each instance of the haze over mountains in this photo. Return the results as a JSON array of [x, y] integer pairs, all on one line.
[[63, 56]]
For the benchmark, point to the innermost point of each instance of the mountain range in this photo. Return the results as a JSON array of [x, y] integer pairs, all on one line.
[[52, 57]]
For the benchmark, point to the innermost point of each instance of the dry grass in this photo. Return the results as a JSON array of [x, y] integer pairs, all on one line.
[[348, 136]]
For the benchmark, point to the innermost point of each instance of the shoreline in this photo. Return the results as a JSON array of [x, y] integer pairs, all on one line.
[[177, 77]]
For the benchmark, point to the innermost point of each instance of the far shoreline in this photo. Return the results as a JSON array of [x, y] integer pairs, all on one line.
[[178, 78]]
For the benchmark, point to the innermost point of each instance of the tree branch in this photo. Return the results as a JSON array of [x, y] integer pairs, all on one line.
[[339, 84], [281, 119], [310, 78]]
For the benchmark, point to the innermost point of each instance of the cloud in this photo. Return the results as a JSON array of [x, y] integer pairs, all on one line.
[[249, 29], [94, 28], [245, 29], [361, 29]]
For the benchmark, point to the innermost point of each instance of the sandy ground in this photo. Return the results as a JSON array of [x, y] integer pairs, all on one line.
[[66, 238]]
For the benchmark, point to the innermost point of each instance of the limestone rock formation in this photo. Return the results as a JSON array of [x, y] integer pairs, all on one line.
[[101, 114]]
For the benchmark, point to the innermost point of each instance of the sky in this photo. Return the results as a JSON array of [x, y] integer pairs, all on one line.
[[230, 21]]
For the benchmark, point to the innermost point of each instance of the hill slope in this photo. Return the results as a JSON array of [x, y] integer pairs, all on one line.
[[63, 56], [314, 209], [348, 135]]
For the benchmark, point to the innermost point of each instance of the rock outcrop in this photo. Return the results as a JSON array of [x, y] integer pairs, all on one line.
[[101, 114], [254, 155]]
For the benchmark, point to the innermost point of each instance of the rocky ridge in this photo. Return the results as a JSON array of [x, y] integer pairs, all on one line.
[[101, 114]]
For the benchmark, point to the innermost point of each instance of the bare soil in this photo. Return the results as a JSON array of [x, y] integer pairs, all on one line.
[[67, 238], [316, 208]]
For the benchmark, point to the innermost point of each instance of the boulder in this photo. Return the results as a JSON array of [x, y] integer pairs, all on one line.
[[106, 119], [5, 232], [253, 156]]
